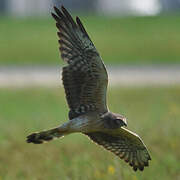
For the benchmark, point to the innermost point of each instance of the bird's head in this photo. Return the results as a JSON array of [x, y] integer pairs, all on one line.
[[121, 120], [113, 120]]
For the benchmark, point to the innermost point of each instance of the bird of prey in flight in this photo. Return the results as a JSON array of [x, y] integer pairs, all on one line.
[[85, 81]]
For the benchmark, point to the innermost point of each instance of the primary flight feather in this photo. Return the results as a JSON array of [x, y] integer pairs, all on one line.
[[85, 82]]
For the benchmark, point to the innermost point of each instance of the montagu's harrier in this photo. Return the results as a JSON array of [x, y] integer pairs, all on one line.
[[85, 81]]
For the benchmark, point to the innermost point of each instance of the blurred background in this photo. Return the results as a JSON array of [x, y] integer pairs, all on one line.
[[140, 44]]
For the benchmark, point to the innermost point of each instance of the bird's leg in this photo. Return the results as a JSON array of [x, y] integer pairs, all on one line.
[[48, 135]]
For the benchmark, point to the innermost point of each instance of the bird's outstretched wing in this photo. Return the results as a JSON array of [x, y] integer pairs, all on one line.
[[125, 144], [85, 78]]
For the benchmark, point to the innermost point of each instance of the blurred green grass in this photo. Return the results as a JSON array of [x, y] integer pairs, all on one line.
[[153, 113], [128, 40]]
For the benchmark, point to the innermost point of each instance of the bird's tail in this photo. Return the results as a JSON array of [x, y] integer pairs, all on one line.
[[44, 136]]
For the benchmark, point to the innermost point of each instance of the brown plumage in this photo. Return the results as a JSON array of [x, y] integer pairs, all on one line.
[[85, 78], [85, 82]]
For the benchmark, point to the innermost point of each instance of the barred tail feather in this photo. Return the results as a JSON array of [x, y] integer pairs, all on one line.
[[45, 136]]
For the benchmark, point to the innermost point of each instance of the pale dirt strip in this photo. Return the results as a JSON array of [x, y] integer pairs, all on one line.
[[124, 76]]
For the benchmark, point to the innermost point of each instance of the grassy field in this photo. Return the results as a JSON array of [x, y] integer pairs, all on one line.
[[130, 40], [153, 113]]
